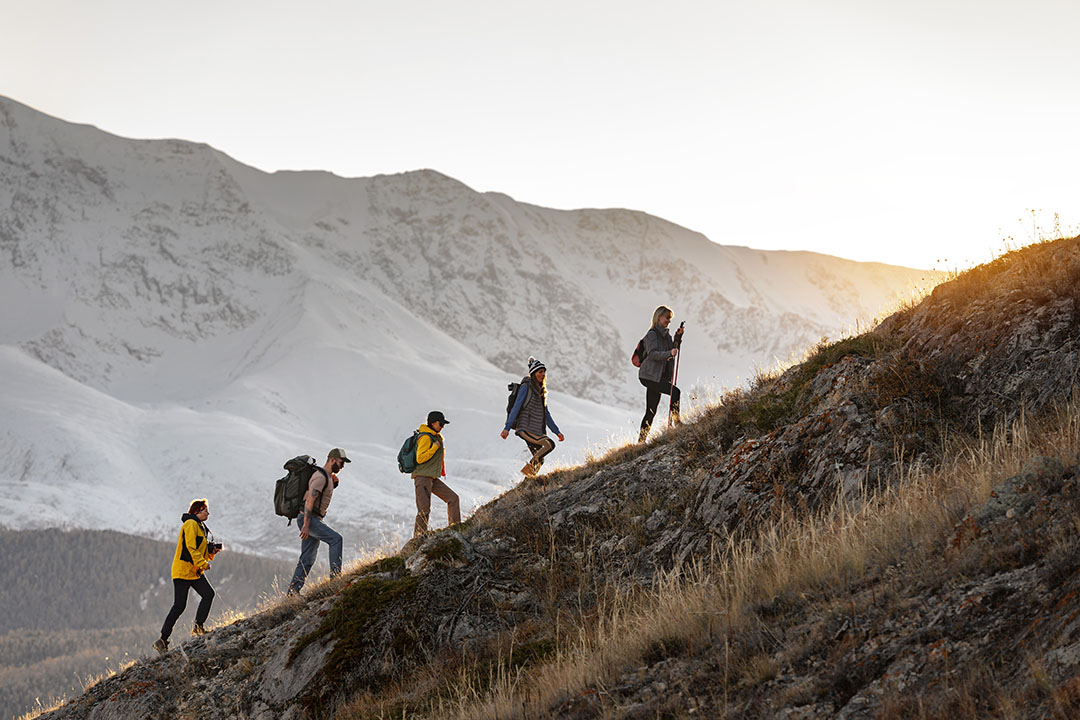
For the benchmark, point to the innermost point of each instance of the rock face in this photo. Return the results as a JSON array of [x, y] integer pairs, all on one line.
[[1004, 625], [493, 592]]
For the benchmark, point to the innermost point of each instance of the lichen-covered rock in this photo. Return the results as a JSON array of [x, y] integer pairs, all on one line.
[[445, 549]]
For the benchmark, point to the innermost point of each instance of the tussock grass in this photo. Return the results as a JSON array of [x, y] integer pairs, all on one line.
[[789, 565], [42, 708], [85, 682], [1043, 270]]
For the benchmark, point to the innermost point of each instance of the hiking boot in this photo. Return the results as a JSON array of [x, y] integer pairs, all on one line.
[[161, 645], [528, 470], [198, 629]]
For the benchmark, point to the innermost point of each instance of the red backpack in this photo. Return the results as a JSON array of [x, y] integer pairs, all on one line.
[[639, 352]]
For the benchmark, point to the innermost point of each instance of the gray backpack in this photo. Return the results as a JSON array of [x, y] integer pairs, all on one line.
[[290, 490]]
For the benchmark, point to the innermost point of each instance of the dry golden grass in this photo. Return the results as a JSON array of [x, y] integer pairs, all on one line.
[[791, 558], [42, 708], [86, 683]]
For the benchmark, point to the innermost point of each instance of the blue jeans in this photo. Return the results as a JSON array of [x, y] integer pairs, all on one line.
[[318, 531]]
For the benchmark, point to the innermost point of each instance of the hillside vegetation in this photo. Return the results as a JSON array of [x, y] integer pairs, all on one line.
[[886, 530], [80, 603]]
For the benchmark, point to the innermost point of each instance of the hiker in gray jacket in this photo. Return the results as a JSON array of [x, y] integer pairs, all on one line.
[[530, 415], [657, 368]]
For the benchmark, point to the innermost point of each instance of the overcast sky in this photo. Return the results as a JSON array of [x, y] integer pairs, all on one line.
[[916, 132]]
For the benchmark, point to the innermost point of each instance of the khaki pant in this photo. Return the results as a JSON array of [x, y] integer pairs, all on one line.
[[425, 488], [539, 446]]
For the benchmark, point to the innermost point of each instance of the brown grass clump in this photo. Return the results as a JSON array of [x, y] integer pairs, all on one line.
[[1041, 271], [789, 567]]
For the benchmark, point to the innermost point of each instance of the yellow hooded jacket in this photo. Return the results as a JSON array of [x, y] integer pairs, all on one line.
[[430, 459], [191, 558]]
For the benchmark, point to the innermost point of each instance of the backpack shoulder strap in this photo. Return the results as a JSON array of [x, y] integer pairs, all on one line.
[[326, 476], [656, 334]]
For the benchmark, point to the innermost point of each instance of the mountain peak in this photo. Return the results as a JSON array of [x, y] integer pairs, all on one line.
[[182, 304]]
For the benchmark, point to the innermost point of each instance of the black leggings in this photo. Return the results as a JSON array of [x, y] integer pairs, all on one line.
[[652, 398], [180, 593]]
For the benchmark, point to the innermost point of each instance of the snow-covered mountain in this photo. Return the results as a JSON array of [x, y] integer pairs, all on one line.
[[178, 324]]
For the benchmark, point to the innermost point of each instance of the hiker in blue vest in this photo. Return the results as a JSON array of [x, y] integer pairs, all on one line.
[[530, 415], [657, 368]]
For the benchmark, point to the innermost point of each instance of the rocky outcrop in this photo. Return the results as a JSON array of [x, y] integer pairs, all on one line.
[[1000, 624]]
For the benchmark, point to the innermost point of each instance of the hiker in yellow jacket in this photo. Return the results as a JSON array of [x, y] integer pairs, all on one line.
[[430, 469], [195, 548]]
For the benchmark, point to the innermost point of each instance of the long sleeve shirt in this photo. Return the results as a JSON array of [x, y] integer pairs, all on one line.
[[522, 393]]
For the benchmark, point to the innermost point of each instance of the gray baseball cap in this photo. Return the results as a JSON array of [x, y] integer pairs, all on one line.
[[339, 454]]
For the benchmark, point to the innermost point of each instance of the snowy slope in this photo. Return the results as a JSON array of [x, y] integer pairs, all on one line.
[[179, 324]]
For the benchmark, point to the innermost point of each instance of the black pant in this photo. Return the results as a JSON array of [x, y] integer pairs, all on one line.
[[652, 398], [180, 593]]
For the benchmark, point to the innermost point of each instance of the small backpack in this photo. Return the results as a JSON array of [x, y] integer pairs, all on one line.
[[638, 355], [290, 490], [406, 457], [512, 397]]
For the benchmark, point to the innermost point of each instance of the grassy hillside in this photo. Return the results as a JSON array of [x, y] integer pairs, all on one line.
[[80, 603], [885, 530], [921, 601]]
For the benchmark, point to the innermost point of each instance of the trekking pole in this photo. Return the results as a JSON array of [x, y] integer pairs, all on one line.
[[675, 375]]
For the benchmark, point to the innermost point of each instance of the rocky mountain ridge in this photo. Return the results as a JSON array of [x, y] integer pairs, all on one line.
[[176, 237], [187, 323], [926, 624]]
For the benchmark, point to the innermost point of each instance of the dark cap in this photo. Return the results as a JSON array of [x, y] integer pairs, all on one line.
[[436, 416], [338, 454]]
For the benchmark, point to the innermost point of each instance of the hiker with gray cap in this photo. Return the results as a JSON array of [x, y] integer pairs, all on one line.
[[312, 528], [429, 472]]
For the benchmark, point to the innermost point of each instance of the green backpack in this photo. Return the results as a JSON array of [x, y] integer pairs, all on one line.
[[406, 457]]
